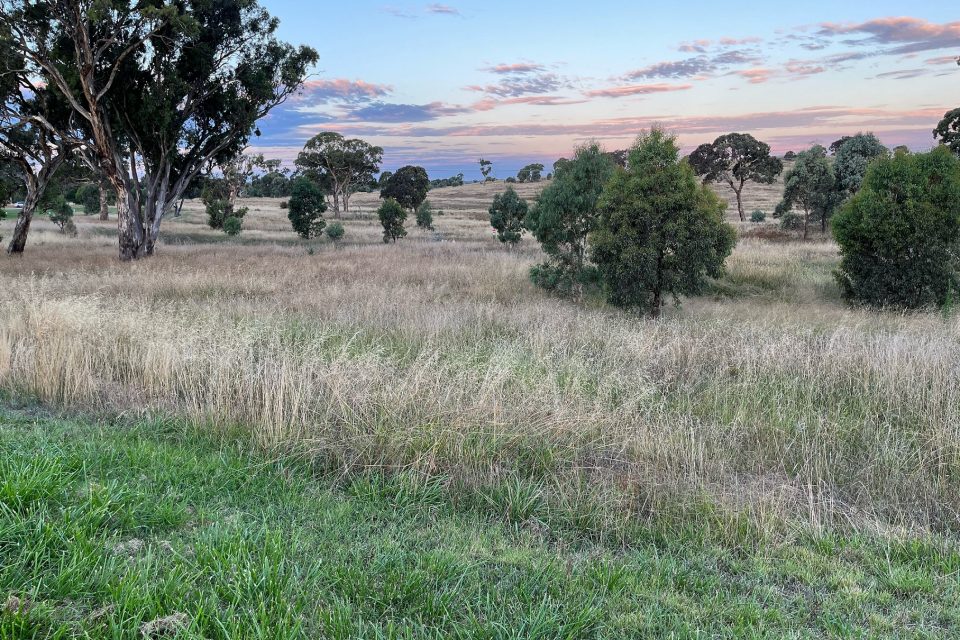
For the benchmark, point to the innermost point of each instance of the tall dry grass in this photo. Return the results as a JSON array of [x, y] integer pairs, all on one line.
[[769, 398]]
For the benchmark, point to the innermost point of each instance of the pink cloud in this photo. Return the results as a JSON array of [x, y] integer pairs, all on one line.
[[908, 34], [636, 90], [520, 67], [343, 89], [758, 75]]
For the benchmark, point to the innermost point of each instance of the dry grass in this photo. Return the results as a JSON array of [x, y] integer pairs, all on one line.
[[768, 398]]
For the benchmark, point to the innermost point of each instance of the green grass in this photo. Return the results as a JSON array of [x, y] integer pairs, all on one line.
[[107, 527]]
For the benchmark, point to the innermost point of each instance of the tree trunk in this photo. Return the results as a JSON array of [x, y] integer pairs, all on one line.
[[19, 240], [336, 201], [823, 223], [806, 223], [129, 225], [104, 207], [346, 202], [739, 193]]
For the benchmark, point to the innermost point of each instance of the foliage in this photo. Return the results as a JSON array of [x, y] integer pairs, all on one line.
[[439, 183], [566, 212], [559, 166], [232, 226], [201, 76], [948, 131], [408, 186], [836, 144], [511, 180], [392, 216], [305, 208], [335, 231], [61, 214], [790, 155], [736, 158], [88, 196], [899, 236], [486, 168], [425, 216], [219, 203], [811, 185], [660, 232], [853, 157], [758, 216], [530, 173], [507, 215], [345, 163], [901, 148]]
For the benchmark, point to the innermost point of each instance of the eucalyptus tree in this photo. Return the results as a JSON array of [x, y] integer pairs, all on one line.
[[163, 88], [33, 138], [735, 159], [345, 163]]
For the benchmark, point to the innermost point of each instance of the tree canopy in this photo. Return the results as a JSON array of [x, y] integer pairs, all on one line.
[[948, 131], [736, 158], [347, 163], [660, 232], [852, 159], [810, 185], [507, 214], [408, 186], [899, 236], [160, 89]]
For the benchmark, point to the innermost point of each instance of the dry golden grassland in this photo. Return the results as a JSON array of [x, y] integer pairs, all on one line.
[[768, 401]]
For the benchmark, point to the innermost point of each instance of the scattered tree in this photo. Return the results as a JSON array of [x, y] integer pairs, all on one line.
[[660, 232], [160, 89], [789, 156], [88, 197], [530, 173], [836, 144], [736, 158], [901, 148], [425, 216], [486, 168], [306, 207], [335, 232], [948, 130], [565, 215], [507, 215], [346, 163], [408, 186], [810, 184], [61, 214], [852, 159], [232, 226], [219, 203], [392, 216], [455, 181], [899, 236]]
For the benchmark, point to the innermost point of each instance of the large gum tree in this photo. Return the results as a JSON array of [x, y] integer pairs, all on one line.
[[163, 89]]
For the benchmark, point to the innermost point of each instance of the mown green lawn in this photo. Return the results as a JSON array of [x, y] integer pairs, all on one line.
[[119, 531]]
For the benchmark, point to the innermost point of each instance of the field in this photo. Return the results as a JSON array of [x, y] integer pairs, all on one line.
[[281, 438]]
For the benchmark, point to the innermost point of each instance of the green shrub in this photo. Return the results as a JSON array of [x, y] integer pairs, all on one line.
[[661, 232], [507, 214], [335, 231], [899, 236], [392, 216], [306, 208], [61, 214], [232, 226], [791, 221], [284, 204], [425, 216], [88, 196], [758, 216]]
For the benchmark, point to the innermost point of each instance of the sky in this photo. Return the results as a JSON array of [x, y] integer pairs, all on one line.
[[442, 85]]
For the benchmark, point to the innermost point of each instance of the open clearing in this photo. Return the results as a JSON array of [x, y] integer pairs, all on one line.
[[412, 441]]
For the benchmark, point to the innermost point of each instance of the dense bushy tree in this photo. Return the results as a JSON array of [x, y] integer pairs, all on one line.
[[392, 216], [439, 183], [306, 207], [852, 159], [219, 202], [948, 131], [901, 148], [620, 157], [660, 232], [425, 216], [810, 185], [836, 144], [346, 163], [88, 197], [160, 88], [232, 226], [507, 215], [530, 173], [899, 236], [790, 155], [408, 186], [560, 165], [565, 214], [736, 158]]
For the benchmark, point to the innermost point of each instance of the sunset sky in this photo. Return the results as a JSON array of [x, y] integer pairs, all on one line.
[[440, 85]]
